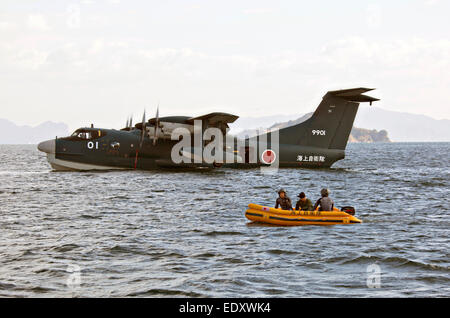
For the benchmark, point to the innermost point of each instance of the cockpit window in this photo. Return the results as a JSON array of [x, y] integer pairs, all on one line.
[[83, 134]]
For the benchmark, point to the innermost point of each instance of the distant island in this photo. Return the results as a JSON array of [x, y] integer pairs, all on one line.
[[368, 135]]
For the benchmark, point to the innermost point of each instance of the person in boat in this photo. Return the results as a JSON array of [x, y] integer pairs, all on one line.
[[283, 201], [324, 203], [303, 204]]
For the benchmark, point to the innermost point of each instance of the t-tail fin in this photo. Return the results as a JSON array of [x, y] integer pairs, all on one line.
[[330, 125]]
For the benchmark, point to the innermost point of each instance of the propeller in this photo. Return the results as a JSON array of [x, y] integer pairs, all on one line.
[[141, 141], [155, 137], [143, 130]]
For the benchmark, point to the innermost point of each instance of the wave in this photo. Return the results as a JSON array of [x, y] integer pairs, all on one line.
[[396, 261], [164, 292], [217, 233], [41, 290], [281, 252], [7, 286], [87, 216], [65, 247]]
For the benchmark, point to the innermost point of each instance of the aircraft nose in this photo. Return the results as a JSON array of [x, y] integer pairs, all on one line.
[[47, 146]]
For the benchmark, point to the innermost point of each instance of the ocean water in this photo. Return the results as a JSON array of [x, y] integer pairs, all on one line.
[[169, 234]]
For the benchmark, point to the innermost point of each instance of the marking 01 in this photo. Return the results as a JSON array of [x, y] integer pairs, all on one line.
[[91, 145]]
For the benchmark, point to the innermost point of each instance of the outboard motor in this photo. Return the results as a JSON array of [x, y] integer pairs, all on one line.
[[348, 209]]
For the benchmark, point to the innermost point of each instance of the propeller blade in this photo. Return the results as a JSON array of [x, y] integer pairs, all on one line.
[[141, 141], [155, 137], [143, 130], [131, 121]]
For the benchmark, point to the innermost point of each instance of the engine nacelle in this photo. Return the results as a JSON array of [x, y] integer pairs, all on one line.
[[165, 130]]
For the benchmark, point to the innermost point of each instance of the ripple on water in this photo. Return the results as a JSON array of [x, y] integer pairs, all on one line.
[[281, 252], [164, 292], [65, 248], [220, 233]]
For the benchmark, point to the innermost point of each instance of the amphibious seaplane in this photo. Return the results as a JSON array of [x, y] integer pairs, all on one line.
[[204, 142]]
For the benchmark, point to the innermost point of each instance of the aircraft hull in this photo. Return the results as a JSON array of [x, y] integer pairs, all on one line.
[[64, 154], [66, 165]]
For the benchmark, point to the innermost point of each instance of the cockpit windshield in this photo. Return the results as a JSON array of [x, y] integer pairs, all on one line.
[[84, 134]]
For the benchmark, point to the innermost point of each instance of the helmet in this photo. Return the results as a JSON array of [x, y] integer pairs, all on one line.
[[281, 190], [324, 192], [302, 195]]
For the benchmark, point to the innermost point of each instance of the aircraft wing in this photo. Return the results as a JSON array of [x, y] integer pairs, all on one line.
[[215, 119]]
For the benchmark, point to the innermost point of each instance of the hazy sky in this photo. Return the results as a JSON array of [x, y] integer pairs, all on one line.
[[102, 60]]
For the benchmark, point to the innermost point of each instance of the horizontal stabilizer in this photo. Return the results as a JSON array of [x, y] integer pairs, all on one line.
[[354, 95]]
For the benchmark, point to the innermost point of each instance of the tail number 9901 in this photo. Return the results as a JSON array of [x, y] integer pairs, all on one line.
[[318, 132]]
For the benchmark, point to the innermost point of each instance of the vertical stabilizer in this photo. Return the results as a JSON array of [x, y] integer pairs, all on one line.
[[330, 125]]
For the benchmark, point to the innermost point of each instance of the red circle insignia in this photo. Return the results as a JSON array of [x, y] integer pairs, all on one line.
[[268, 156]]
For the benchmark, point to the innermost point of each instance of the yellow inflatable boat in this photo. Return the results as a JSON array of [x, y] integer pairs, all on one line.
[[259, 213]]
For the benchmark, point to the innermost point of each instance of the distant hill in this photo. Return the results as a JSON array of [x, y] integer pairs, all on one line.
[[401, 126], [376, 122], [356, 135], [11, 133]]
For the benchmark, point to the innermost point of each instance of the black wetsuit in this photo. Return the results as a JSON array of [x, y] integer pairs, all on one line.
[[284, 203]]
